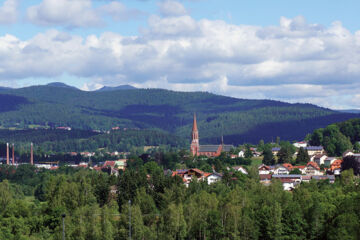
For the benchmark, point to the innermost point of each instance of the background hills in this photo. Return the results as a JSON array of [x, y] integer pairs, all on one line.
[[169, 112]]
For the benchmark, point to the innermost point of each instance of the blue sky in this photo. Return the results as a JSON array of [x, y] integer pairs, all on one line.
[[295, 51]]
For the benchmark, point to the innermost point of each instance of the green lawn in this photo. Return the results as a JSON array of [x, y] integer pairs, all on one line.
[[256, 161]]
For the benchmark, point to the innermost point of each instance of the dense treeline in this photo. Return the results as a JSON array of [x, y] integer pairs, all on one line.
[[163, 208], [80, 140], [339, 137], [239, 120]]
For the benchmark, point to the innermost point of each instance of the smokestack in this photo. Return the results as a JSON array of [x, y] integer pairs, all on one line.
[[7, 154], [13, 154], [32, 155]]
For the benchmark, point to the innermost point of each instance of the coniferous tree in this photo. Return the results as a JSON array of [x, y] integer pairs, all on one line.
[[302, 156]]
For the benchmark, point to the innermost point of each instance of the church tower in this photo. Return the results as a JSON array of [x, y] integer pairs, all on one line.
[[194, 147]]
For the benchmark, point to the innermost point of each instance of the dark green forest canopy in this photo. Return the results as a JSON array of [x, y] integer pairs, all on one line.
[[239, 120], [33, 201], [338, 137], [82, 140]]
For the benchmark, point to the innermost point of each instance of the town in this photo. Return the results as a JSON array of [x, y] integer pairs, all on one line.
[[315, 164]]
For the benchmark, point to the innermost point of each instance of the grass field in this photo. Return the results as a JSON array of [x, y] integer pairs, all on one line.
[[256, 161]]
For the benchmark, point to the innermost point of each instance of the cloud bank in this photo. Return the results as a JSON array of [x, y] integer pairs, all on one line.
[[8, 12], [294, 61]]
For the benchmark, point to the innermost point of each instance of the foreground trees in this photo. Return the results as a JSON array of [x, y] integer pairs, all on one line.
[[163, 208]]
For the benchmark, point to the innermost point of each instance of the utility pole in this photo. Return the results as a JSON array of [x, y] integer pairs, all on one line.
[[129, 219], [13, 154], [63, 225]]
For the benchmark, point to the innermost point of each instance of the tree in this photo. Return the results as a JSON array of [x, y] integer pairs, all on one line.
[[284, 155], [174, 222], [295, 171], [351, 162], [248, 153], [302, 156], [268, 156]]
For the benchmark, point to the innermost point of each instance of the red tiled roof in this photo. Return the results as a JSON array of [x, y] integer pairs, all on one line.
[[109, 163], [288, 166], [264, 166], [313, 164]]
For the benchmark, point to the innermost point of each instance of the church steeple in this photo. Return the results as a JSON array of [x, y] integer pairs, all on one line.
[[194, 147]]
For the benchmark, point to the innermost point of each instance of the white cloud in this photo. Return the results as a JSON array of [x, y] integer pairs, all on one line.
[[69, 13], [8, 12], [294, 61], [171, 8], [79, 13], [119, 12]]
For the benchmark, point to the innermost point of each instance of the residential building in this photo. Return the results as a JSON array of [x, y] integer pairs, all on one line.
[[312, 150], [300, 144], [319, 159], [312, 169], [263, 169], [214, 177], [240, 169]]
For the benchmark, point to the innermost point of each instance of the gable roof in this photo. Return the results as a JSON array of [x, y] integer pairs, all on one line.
[[109, 163], [288, 166], [313, 164], [263, 166]]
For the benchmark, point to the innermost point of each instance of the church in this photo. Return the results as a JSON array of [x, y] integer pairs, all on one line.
[[205, 150]]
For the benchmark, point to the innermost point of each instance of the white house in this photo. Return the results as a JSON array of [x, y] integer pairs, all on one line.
[[300, 144], [240, 169], [319, 159], [214, 177], [312, 150], [312, 169], [281, 170], [288, 184], [263, 169], [241, 153]]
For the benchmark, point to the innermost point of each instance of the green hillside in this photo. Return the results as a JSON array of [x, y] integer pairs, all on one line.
[[239, 120]]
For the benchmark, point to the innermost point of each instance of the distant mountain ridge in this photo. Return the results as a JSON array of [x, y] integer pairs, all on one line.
[[238, 120], [121, 87]]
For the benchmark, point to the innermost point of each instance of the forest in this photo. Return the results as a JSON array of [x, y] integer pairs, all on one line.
[[238, 120], [98, 206], [338, 137], [56, 141]]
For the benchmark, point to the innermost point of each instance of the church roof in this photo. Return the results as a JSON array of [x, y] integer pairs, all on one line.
[[214, 148]]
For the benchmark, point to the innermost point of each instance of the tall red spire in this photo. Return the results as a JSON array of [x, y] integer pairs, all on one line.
[[194, 124], [194, 147]]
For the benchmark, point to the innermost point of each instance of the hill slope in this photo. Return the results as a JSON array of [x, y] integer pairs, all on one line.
[[239, 120]]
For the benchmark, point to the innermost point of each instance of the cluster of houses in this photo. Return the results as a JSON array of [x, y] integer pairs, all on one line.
[[310, 171], [188, 175]]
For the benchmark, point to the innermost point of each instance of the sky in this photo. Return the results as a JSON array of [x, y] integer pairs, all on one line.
[[294, 51]]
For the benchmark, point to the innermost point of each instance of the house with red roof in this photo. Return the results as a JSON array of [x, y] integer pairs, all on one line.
[[188, 174], [313, 169], [263, 169], [335, 167]]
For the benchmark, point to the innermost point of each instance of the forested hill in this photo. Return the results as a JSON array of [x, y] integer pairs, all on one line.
[[239, 120]]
